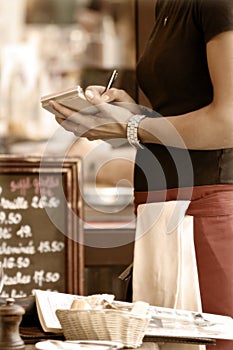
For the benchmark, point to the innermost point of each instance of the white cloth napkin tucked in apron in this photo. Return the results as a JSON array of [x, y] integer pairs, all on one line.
[[164, 267]]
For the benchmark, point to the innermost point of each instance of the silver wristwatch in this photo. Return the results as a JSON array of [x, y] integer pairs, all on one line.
[[132, 130]]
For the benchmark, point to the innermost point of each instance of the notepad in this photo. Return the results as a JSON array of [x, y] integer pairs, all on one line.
[[72, 98]]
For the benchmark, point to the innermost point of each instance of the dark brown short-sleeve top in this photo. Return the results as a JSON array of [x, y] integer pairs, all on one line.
[[173, 73]]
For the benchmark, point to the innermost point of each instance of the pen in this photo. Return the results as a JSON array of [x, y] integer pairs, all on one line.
[[111, 80]]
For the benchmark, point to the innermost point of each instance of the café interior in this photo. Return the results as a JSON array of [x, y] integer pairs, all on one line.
[[51, 45], [47, 46]]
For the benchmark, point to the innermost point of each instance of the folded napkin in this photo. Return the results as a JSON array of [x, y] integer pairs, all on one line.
[[164, 267]]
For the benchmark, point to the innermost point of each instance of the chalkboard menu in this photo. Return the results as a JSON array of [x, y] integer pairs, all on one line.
[[41, 230]]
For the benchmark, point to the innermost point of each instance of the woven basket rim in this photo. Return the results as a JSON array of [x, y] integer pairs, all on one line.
[[107, 311]]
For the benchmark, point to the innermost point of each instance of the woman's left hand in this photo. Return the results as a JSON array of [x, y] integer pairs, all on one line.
[[104, 120]]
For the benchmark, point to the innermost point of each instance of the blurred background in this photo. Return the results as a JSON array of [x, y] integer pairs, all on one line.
[[51, 45]]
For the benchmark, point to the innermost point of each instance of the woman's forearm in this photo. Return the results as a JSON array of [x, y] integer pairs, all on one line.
[[207, 128]]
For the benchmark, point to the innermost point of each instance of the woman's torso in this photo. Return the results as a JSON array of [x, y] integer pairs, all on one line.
[[173, 73]]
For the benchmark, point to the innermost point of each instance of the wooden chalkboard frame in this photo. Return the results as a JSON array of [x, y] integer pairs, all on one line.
[[70, 169]]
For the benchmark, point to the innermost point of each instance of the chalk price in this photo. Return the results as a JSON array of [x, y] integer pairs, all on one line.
[[44, 202], [50, 247], [10, 218], [19, 263], [41, 277]]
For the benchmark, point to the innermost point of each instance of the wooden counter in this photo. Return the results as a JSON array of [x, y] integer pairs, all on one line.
[[31, 335]]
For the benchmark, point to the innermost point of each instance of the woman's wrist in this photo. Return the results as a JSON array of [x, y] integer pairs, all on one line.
[[144, 135]]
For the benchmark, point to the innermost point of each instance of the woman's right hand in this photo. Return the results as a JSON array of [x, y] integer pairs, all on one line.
[[106, 119], [96, 94]]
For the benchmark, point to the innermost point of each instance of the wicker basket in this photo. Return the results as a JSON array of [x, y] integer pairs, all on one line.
[[106, 324]]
